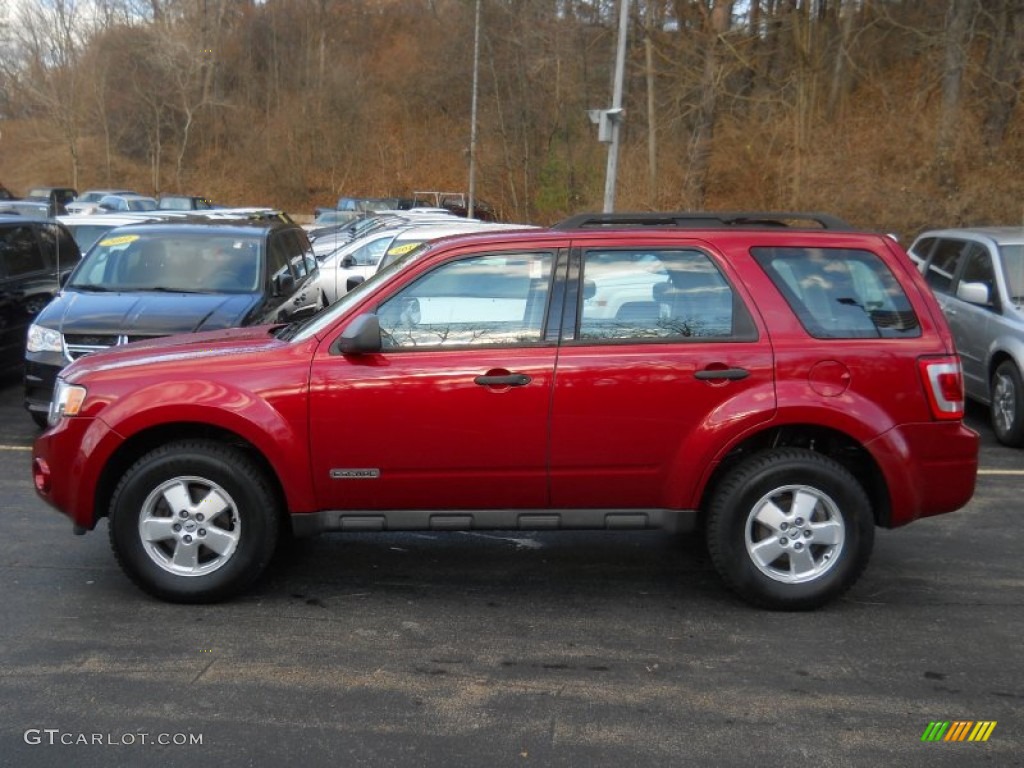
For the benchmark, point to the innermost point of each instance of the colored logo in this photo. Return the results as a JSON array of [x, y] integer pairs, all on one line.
[[959, 730]]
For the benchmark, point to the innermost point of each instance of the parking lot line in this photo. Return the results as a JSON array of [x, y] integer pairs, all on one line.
[[15, 447]]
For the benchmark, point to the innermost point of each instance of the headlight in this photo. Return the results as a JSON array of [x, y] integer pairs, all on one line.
[[67, 401], [42, 339]]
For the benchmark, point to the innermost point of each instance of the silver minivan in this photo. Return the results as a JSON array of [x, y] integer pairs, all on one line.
[[977, 274]]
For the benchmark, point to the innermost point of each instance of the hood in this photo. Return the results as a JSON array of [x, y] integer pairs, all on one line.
[[192, 349], [144, 313]]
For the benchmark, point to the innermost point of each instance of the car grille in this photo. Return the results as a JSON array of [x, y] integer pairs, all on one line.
[[77, 345]]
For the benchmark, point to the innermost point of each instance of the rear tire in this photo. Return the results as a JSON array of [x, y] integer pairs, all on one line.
[[790, 529], [194, 521], [1007, 409]]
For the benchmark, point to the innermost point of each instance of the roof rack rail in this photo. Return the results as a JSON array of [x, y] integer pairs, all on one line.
[[705, 220]]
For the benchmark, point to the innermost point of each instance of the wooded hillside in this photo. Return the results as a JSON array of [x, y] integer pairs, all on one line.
[[895, 115]]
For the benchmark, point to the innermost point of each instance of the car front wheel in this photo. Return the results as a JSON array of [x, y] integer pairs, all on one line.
[[790, 529], [193, 521], [1007, 408]]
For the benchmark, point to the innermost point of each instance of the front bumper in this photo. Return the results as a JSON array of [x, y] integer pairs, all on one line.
[[41, 371]]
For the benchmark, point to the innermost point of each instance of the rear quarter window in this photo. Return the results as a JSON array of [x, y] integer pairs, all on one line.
[[840, 293]]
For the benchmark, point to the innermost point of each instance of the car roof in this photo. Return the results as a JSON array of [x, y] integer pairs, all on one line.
[[238, 227], [1000, 235]]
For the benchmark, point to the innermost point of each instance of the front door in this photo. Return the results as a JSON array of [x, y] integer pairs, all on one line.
[[453, 412]]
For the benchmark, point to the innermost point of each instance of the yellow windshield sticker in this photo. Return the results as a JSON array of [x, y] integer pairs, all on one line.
[[401, 250], [119, 240]]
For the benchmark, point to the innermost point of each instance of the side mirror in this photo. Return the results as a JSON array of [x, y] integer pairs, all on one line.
[[589, 289], [974, 293], [353, 281], [348, 262], [361, 337], [284, 283]]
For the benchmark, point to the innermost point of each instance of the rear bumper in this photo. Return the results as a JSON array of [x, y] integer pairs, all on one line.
[[929, 468]]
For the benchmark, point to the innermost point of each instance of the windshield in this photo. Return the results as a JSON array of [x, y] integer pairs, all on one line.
[[1013, 263], [326, 317], [165, 261]]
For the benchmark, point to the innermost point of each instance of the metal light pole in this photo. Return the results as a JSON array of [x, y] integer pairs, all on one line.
[[472, 120], [614, 115]]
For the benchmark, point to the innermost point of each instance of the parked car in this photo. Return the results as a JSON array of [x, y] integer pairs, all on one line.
[[151, 280], [34, 256], [123, 203], [467, 387], [361, 257], [88, 201], [978, 276], [87, 228], [185, 203], [57, 198]]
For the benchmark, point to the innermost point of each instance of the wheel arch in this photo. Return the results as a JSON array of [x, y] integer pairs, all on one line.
[[146, 440], [835, 444]]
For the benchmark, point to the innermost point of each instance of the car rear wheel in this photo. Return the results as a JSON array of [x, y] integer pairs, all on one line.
[[790, 529], [193, 521], [1007, 410]]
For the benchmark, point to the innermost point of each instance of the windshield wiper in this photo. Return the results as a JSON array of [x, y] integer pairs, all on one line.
[[91, 288]]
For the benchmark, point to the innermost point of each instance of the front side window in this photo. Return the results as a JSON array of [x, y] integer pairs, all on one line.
[[1013, 266], [944, 264], [658, 294], [19, 252], [840, 293], [495, 299]]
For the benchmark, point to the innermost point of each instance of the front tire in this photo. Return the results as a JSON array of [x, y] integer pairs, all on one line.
[[790, 529], [194, 521], [1007, 409]]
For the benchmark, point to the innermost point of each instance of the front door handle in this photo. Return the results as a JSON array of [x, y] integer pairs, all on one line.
[[718, 374], [503, 380]]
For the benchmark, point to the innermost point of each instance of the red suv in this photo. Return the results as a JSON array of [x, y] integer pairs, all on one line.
[[782, 383]]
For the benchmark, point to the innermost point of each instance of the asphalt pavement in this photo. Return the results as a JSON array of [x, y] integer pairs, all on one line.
[[557, 649]]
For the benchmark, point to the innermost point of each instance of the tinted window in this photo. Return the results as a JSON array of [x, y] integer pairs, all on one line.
[[670, 294], [484, 300], [58, 245], [19, 251], [840, 293]]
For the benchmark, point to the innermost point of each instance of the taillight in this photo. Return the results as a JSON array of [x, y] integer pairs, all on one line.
[[944, 383]]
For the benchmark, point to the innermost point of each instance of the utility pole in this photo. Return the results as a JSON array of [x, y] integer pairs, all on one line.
[[472, 127], [615, 114]]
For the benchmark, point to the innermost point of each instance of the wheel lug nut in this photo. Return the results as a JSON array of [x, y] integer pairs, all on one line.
[[799, 521], [183, 514], [176, 527], [807, 534], [200, 517], [202, 531], [783, 541], [187, 539], [798, 545], [784, 527]]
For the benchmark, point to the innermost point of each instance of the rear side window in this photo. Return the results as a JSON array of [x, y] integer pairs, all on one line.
[[840, 293], [640, 295]]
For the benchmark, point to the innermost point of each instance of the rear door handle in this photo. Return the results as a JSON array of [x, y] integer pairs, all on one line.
[[503, 380], [718, 374]]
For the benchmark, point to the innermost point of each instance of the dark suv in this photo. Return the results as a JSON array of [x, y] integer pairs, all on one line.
[[783, 389], [155, 279], [33, 257]]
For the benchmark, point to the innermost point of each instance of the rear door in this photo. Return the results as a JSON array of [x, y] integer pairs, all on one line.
[[662, 355]]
